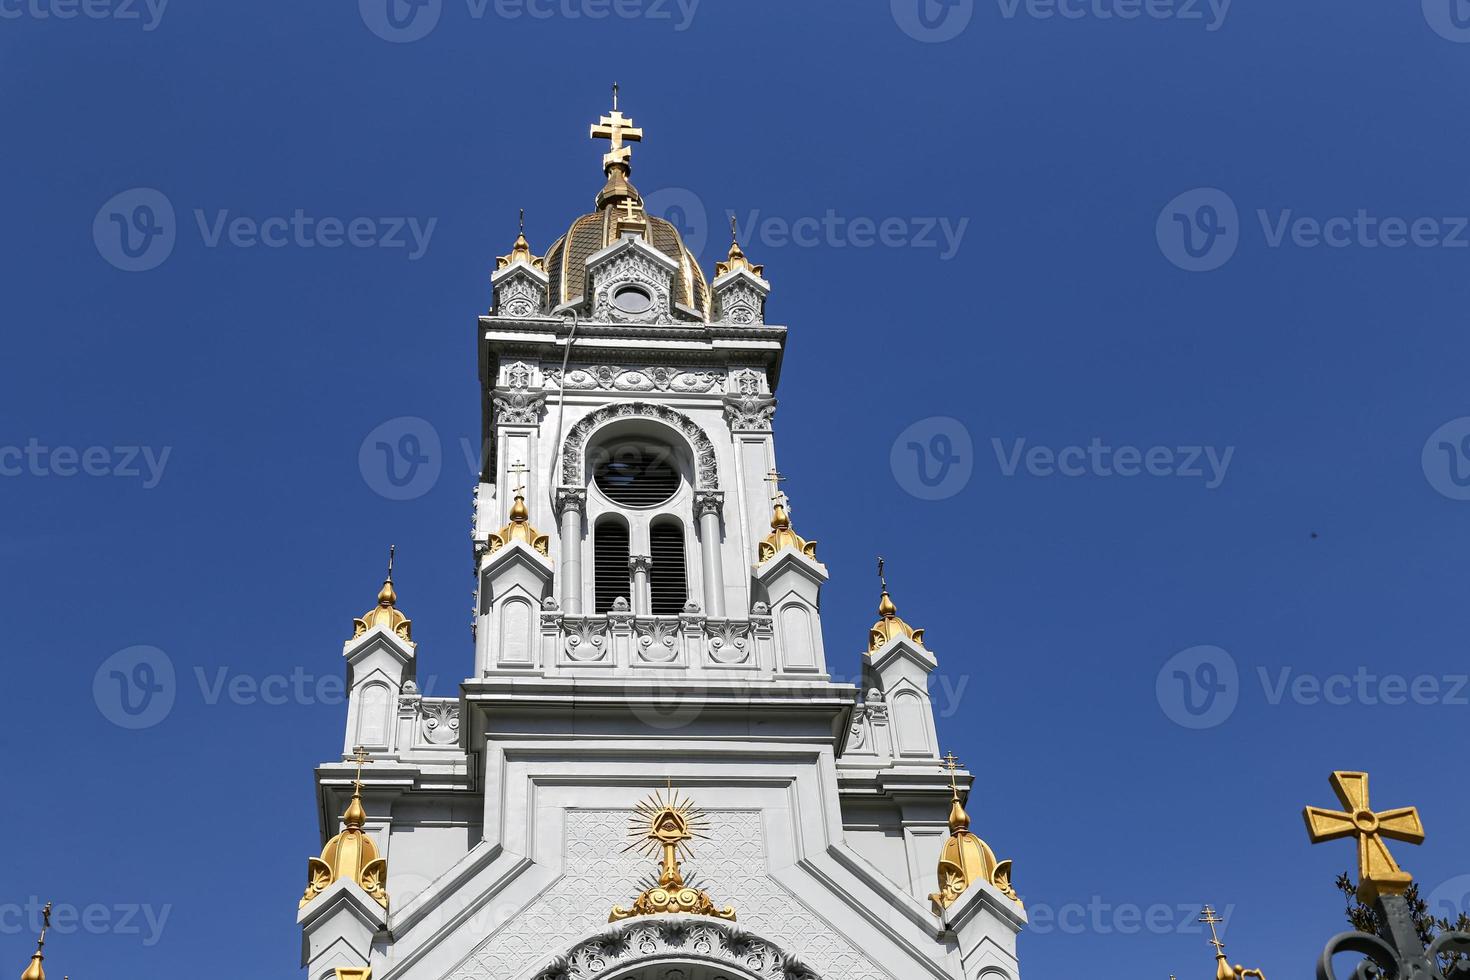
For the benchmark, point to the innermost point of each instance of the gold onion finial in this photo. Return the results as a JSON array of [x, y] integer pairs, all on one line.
[[520, 251], [966, 858], [385, 613], [36, 971], [617, 163], [736, 259], [667, 825], [1378, 873], [1223, 969], [352, 853], [519, 528], [889, 626], [781, 533]]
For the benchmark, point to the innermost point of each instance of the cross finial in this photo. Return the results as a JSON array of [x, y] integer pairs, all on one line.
[[882, 579], [619, 129], [361, 757], [952, 764], [45, 927], [1212, 918], [775, 479], [734, 229], [523, 221], [520, 469], [632, 209], [615, 96], [1378, 873], [391, 549]]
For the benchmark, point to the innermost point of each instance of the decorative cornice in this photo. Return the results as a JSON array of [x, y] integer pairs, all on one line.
[[628, 945]]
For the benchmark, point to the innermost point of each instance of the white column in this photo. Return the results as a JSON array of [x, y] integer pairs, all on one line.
[[642, 598], [571, 503], [708, 505]]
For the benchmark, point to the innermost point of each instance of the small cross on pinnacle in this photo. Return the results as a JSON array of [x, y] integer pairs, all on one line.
[[519, 469], [882, 579], [1212, 918], [361, 757], [952, 763], [392, 548], [775, 479], [734, 229]]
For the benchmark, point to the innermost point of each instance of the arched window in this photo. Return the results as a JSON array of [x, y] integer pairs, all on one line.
[[636, 474], [667, 580], [610, 564]]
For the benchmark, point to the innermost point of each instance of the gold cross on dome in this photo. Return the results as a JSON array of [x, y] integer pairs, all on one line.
[[1378, 872], [952, 763], [617, 128], [775, 479], [361, 757], [519, 469], [1212, 918]]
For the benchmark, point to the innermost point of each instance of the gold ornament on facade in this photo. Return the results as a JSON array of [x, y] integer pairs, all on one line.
[[667, 825], [1223, 969], [966, 858], [354, 973], [519, 528], [618, 163], [520, 251], [737, 259], [1378, 872], [35, 971], [781, 534], [385, 613], [889, 626], [351, 854]]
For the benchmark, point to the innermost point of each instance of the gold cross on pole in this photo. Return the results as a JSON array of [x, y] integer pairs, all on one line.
[[361, 757], [519, 469], [617, 128], [1378, 872], [1212, 918], [775, 479], [952, 763]]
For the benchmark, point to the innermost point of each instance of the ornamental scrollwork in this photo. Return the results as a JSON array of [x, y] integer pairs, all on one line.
[[439, 722], [750, 412], [612, 377], [626, 946], [514, 406], [705, 463]]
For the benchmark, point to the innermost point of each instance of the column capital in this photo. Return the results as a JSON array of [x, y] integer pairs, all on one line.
[[708, 502], [571, 497], [750, 413], [640, 563]]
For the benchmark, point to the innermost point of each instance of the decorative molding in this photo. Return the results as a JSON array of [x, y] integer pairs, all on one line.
[[750, 412], [706, 464], [640, 563], [612, 377], [729, 641], [574, 497], [586, 638], [516, 406], [657, 639], [677, 938], [708, 502], [520, 296], [439, 721], [631, 267]]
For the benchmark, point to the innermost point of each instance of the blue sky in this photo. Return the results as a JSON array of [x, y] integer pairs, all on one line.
[[1220, 247]]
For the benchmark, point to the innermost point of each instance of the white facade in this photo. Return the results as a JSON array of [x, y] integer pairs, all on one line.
[[502, 813]]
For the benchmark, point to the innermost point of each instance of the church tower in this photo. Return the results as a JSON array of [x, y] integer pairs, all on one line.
[[649, 773]]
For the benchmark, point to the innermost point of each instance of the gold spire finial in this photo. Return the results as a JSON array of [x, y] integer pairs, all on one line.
[[385, 613], [736, 258], [619, 130], [36, 971], [520, 251], [352, 853], [889, 626], [1378, 873], [1223, 969], [966, 858], [519, 528], [667, 824], [781, 533]]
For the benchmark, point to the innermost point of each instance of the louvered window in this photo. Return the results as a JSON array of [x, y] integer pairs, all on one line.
[[667, 579], [610, 564], [637, 475]]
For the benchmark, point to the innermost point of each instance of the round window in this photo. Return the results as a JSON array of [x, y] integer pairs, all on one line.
[[632, 300], [636, 474]]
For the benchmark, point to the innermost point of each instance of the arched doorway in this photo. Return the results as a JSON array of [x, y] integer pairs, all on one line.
[[675, 947]]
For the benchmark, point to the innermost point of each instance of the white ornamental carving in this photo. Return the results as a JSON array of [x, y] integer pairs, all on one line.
[[586, 638], [729, 641], [514, 406], [520, 297], [612, 377], [682, 938], [706, 466], [657, 639], [632, 267], [550, 932], [439, 722]]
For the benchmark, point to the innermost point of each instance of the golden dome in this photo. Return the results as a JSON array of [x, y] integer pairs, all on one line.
[[519, 529], [781, 535], [520, 251], [385, 613], [966, 858], [889, 626], [34, 971], [351, 854], [566, 260]]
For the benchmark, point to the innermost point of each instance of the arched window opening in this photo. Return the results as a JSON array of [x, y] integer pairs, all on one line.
[[668, 580], [636, 474], [610, 564]]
